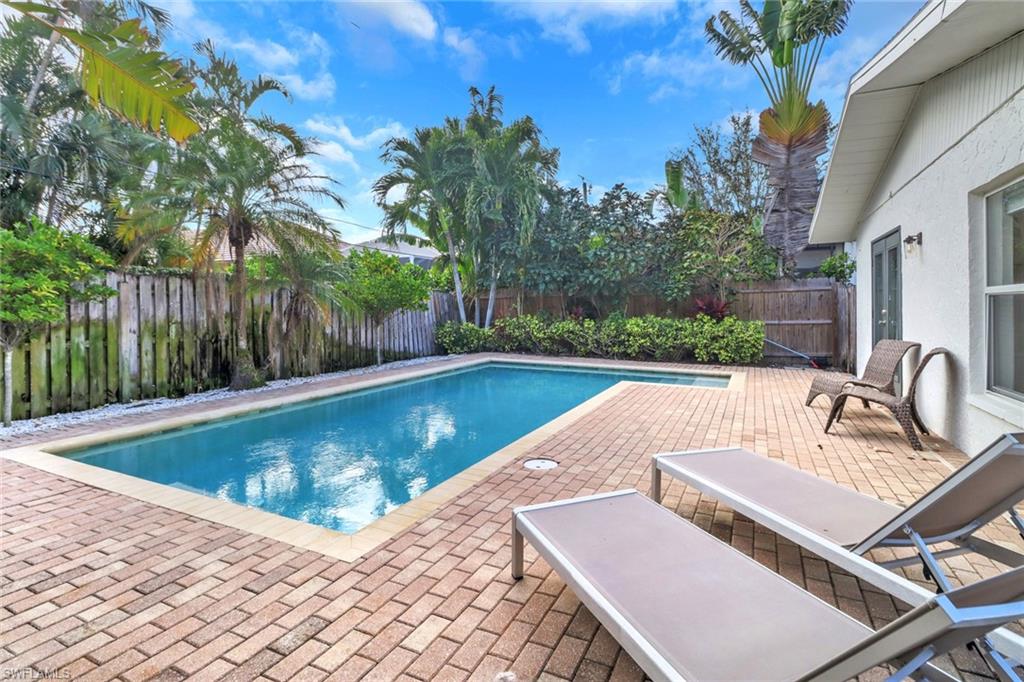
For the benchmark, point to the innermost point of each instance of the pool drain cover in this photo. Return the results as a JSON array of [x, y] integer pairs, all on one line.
[[540, 464]]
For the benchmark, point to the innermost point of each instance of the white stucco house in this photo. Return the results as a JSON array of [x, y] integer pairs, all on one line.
[[926, 178]]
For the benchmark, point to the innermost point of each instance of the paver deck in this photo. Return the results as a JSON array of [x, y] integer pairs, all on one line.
[[96, 586]]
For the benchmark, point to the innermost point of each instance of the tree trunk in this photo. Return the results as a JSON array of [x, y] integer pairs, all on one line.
[[793, 173], [44, 64], [243, 370], [453, 258], [8, 384], [491, 296], [476, 309], [380, 343]]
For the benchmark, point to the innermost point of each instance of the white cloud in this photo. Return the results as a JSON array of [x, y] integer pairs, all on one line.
[[335, 153], [266, 53], [468, 52], [319, 87], [335, 126], [675, 71], [190, 24], [411, 17], [568, 22]]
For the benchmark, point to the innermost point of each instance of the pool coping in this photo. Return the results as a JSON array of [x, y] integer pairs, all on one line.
[[343, 546]]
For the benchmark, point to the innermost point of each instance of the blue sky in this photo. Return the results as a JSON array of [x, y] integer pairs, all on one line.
[[615, 85]]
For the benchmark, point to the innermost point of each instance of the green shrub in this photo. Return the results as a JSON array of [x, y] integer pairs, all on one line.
[[839, 266], [650, 337], [454, 338], [521, 334], [727, 341], [572, 336]]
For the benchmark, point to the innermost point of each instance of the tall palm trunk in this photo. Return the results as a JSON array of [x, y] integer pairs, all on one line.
[[491, 295], [453, 258], [792, 163], [8, 384], [243, 369], [380, 341], [44, 64]]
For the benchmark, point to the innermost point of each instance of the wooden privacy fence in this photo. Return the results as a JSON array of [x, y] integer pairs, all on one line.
[[813, 316], [167, 335]]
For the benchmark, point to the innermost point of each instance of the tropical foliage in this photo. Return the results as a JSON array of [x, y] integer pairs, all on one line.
[[701, 338], [782, 44], [244, 179], [312, 282], [40, 269], [839, 267], [474, 188], [118, 67], [719, 172], [380, 285]]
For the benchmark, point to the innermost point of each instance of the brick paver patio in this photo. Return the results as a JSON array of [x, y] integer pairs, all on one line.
[[99, 586]]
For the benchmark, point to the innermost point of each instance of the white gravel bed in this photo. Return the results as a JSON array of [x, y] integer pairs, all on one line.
[[55, 421]]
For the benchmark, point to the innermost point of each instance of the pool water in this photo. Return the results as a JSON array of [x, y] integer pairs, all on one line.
[[345, 461]]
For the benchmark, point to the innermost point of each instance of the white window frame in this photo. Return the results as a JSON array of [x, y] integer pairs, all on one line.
[[989, 292]]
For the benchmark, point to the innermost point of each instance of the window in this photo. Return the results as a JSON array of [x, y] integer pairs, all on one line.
[[1004, 290]]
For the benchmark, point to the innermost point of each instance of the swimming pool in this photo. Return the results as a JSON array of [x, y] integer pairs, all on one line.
[[344, 461]]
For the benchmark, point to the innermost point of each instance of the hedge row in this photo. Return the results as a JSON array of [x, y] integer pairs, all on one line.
[[700, 338]]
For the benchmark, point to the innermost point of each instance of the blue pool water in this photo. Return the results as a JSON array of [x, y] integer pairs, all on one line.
[[343, 462]]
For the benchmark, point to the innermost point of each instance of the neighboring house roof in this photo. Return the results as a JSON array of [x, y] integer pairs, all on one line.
[[258, 246], [400, 249], [222, 249], [943, 34]]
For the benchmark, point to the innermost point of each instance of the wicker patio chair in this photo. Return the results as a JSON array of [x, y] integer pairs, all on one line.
[[902, 408], [879, 373]]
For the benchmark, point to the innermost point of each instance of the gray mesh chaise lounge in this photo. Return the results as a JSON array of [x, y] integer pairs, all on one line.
[[841, 525], [687, 606], [879, 372], [903, 408]]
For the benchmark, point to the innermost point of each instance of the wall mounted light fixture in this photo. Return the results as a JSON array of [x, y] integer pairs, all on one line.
[[912, 241]]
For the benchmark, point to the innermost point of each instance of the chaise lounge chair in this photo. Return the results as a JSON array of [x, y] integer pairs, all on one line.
[[685, 605], [841, 525], [902, 408], [879, 372]]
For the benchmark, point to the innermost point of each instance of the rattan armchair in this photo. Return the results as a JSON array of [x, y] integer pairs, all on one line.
[[879, 373], [902, 408]]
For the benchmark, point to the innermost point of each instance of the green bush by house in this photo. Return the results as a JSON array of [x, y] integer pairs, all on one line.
[[700, 338]]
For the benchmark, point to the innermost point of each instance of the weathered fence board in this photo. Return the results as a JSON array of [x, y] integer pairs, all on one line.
[[167, 335], [128, 340], [78, 352], [60, 394], [111, 340], [96, 346]]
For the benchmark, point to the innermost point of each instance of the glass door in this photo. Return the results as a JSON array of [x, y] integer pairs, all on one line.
[[886, 293]]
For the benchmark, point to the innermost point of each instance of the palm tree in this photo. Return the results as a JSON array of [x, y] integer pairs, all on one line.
[[245, 178], [783, 44], [62, 158], [118, 69], [430, 173], [311, 279], [513, 172]]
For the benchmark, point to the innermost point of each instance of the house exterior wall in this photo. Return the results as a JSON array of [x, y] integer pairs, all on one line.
[[963, 139]]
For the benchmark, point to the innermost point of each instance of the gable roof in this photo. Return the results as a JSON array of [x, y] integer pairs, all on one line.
[[943, 34], [397, 249]]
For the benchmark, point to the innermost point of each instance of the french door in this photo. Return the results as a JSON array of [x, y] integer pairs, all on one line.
[[886, 288]]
